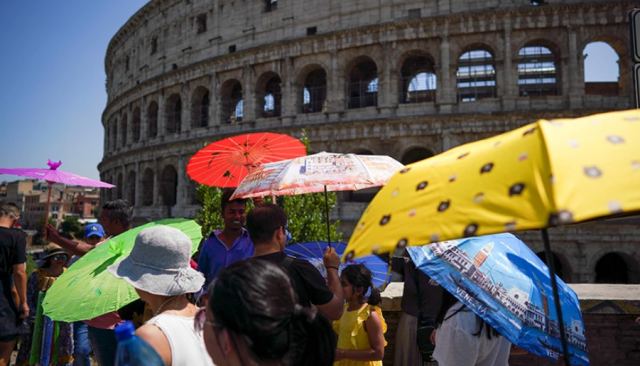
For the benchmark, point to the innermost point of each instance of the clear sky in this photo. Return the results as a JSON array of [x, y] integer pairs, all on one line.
[[52, 80]]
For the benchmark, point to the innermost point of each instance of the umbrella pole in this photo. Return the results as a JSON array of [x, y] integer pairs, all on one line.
[[46, 213], [326, 210], [556, 295]]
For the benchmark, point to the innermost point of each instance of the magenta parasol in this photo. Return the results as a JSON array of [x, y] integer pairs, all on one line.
[[53, 175]]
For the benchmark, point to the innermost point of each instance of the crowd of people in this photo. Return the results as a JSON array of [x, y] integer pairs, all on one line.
[[257, 306]]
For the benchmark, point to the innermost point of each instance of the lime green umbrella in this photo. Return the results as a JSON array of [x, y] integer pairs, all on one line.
[[87, 290]]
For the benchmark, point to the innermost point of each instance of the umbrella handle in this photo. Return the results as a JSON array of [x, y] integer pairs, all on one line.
[[46, 212]]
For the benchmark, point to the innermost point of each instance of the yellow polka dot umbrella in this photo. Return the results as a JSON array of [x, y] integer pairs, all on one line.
[[544, 174]]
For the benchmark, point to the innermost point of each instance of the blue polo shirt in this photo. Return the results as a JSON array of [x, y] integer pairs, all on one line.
[[214, 254]]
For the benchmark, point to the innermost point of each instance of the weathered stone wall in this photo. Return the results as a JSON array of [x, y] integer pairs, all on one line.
[[159, 56], [609, 313]]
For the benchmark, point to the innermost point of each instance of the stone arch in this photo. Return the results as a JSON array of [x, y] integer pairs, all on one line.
[[417, 78], [269, 95], [152, 119], [131, 188], [232, 101], [538, 67], [416, 153], [173, 113], [169, 186], [119, 186], [476, 74], [148, 180], [135, 125], [616, 267], [311, 89], [114, 134], [200, 100], [362, 86], [560, 263], [601, 74], [123, 129]]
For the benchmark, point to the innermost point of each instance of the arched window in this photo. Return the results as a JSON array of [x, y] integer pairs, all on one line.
[[419, 80], [270, 95], [147, 187], [537, 74], [200, 107], [136, 125], [119, 184], [123, 130], [152, 120], [561, 271], [601, 69], [169, 186], [314, 91], [173, 113], [476, 76], [131, 188], [415, 154], [612, 268], [232, 101], [363, 84]]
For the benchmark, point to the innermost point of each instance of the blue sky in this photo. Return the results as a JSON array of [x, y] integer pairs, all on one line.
[[52, 77]]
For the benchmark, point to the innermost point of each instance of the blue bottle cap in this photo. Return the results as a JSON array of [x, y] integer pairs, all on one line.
[[125, 331]]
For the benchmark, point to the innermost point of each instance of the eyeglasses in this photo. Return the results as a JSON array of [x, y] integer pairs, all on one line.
[[200, 319], [60, 257]]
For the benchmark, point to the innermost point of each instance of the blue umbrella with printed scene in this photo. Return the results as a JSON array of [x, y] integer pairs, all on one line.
[[503, 282], [314, 251]]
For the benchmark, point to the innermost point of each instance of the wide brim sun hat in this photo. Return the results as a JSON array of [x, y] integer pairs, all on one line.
[[52, 250], [159, 263]]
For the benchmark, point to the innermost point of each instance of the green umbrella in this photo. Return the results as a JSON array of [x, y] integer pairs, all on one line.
[[87, 290]]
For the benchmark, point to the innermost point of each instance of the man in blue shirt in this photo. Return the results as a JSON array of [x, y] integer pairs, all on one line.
[[229, 245]]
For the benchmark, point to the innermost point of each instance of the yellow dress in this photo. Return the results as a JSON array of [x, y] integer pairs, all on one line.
[[352, 334]]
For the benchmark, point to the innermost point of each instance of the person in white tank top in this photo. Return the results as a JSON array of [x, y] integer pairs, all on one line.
[[158, 268]]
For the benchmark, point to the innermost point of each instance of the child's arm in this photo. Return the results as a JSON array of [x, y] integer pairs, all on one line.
[[373, 326]]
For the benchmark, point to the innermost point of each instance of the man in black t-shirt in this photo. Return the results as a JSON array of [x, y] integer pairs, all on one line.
[[266, 225], [12, 273]]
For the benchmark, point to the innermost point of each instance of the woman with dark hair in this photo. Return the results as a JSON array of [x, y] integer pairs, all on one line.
[[361, 328], [252, 318]]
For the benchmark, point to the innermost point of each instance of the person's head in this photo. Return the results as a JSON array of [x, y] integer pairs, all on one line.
[[9, 214], [234, 212], [159, 264], [357, 285], [267, 225], [54, 257], [252, 317], [93, 233], [115, 216]]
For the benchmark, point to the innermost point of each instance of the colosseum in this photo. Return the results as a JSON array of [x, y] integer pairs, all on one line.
[[403, 78]]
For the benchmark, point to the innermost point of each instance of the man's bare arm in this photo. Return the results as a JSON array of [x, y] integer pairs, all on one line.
[[20, 282], [76, 247]]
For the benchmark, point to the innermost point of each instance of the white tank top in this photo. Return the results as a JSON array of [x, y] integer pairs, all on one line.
[[187, 345]]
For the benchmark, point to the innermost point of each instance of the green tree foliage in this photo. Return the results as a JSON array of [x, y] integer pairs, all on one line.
[[71, 227], [306, 212]]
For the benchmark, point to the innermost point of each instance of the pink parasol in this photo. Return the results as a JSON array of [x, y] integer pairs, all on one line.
[[53, 175], [317, 173]]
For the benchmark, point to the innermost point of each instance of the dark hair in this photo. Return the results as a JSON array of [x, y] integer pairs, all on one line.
[[359, 276], [263, 221], [254, 300], [9, 209], [224, 200], [119, 211]]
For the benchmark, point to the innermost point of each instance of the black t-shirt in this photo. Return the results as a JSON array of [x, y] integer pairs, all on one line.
[[13, 247], [308, 283]]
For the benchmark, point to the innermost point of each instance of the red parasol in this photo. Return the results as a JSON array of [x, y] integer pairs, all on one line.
[[226, 162]]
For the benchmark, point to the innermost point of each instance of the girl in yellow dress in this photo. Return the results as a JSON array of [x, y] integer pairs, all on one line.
[[361, 328]]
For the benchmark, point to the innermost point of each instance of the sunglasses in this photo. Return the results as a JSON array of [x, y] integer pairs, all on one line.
[[200, 319], [59, 257]]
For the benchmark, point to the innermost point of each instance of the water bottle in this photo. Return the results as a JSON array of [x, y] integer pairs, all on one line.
[[132, 350]]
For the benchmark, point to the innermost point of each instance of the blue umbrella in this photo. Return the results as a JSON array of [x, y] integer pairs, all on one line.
[[313, 252], [502, 281]]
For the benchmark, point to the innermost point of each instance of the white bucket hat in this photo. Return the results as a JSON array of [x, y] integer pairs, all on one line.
[[159, 263]]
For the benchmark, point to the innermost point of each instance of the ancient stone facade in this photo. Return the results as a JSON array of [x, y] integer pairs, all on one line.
[[407, 79]]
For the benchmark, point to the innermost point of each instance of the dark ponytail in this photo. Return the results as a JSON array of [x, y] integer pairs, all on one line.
[[359, 276], [254, 300]]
